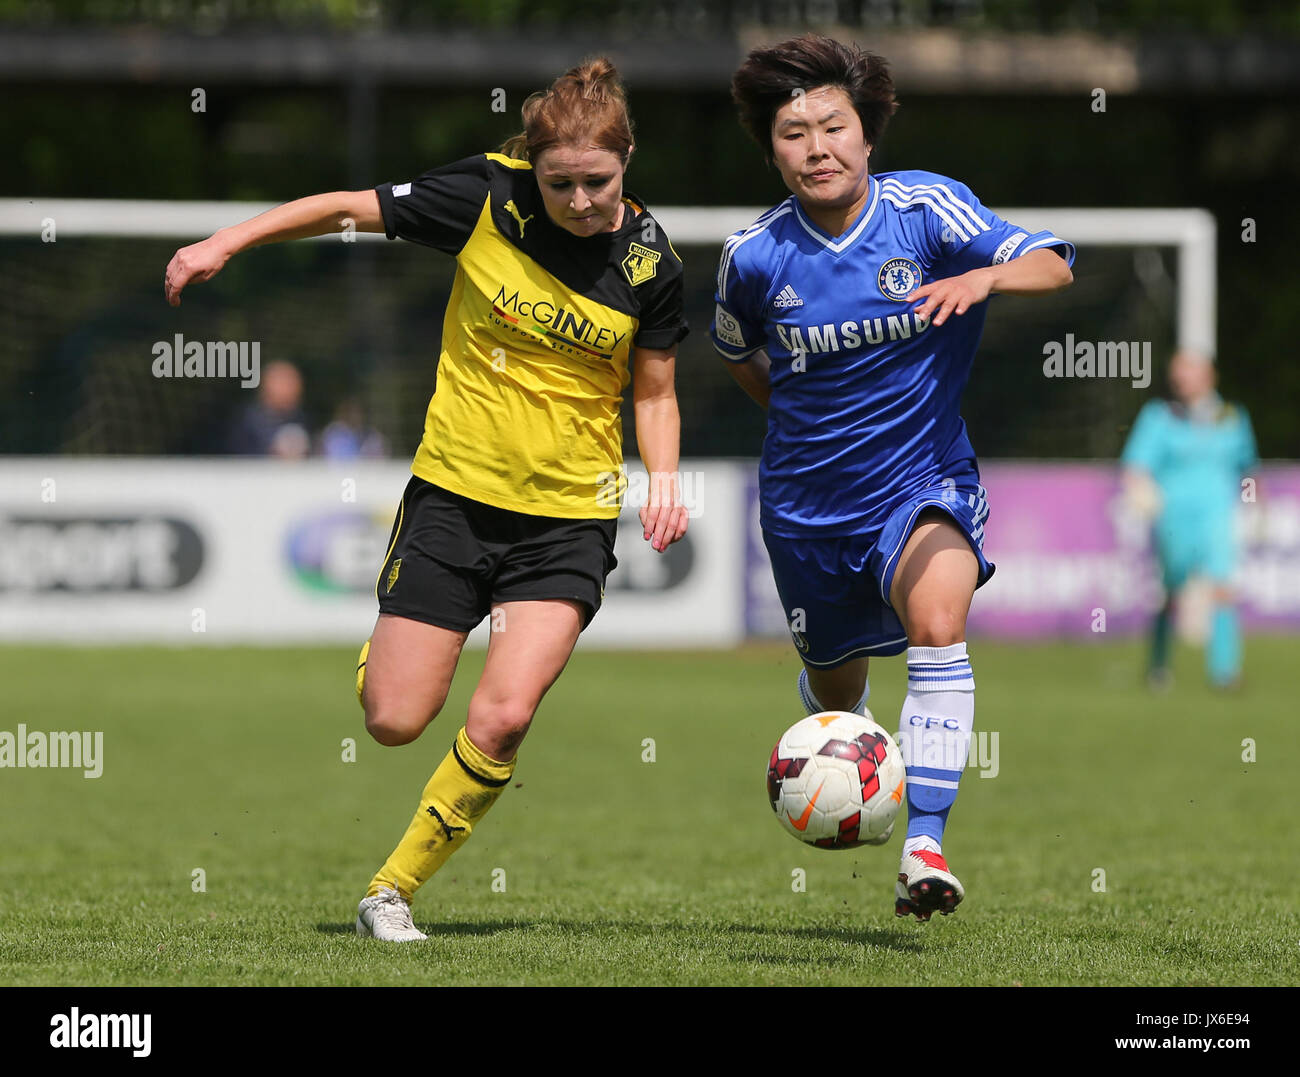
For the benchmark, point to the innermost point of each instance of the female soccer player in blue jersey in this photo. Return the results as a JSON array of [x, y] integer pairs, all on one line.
[[564, 286], [852, 312], [1192, 452]]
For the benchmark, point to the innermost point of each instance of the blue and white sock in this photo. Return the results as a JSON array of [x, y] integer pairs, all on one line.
[[934, 732], [811, 705]]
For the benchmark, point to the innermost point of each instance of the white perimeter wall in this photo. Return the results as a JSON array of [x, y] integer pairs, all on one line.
[[222, 551]]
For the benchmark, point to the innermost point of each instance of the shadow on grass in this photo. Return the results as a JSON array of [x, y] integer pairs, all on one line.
[[879, 938], [882, 938], [461, 927]]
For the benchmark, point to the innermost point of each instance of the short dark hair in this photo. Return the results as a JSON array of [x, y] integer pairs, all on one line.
[[772, 74]]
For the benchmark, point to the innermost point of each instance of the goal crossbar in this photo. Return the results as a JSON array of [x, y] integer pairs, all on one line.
[[1190, 231]]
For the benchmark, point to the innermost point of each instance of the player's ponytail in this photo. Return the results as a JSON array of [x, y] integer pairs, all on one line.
[[586, 106]]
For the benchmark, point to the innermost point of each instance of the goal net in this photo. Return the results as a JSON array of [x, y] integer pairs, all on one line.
[[82, 310]]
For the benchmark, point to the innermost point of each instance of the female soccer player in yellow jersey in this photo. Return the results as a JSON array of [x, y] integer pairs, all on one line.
[[563, 281]]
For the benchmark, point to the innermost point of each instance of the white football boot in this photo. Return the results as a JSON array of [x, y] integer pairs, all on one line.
[[924, 885], [387, 917]]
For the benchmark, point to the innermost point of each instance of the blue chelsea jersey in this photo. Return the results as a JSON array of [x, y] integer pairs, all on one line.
[[865, 393]]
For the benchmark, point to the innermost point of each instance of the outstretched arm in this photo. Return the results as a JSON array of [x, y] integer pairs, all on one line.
[[312, 216], [1039, 272]]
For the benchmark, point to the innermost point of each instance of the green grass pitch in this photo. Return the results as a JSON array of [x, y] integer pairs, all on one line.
[[621, 871]]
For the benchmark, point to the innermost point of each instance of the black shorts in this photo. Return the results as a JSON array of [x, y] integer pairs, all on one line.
[[450, 559]]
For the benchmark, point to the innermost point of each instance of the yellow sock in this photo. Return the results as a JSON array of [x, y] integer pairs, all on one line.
[[464, 786]]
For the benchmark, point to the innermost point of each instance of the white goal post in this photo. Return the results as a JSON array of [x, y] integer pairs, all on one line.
[[1190, 231]]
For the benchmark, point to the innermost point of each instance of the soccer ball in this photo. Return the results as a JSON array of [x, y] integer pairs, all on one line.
[[835, 780]]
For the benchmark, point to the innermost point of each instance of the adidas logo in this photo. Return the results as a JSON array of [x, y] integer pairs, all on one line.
[[787, 298]]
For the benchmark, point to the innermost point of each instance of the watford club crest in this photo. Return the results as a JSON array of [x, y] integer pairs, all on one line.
[[392, 576], [640, 263]]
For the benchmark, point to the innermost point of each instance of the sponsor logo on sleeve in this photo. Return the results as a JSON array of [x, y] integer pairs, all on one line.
[[727, 328], [1003, 253]]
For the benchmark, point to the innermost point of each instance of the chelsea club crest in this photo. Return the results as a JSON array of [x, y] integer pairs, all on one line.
[[898, 277]]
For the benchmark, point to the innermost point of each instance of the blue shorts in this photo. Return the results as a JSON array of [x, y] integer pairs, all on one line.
[[835, 590]]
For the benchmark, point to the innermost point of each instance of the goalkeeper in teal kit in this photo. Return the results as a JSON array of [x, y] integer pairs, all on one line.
[[1184, 463]]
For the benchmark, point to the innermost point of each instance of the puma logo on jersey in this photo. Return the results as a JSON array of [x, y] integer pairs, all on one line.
[[513, 210]]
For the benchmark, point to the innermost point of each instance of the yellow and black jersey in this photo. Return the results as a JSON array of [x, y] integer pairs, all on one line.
[[537, 337]]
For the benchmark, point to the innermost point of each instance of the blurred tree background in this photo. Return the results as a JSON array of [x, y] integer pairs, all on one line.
[[313, 95]]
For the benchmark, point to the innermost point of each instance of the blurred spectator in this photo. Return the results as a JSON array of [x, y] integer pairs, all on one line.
[[347, 437], [1182, 468], [273, 425]]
